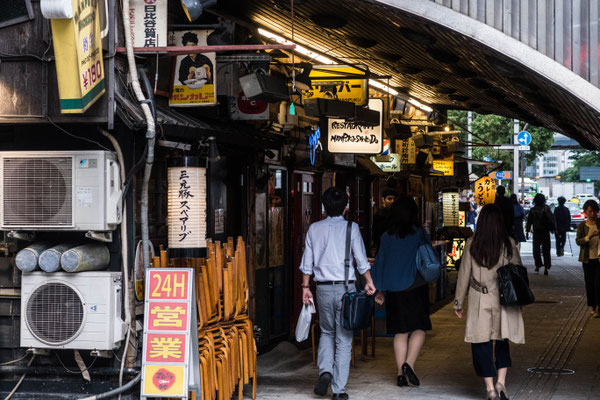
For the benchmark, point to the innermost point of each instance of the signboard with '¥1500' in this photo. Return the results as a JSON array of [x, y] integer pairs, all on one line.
[[342, 82], [170, 363]]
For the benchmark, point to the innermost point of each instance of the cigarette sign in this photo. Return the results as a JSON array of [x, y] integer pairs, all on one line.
[[170, 364]]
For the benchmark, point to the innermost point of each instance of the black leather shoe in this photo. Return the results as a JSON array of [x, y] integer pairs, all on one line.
[[410, 375], [322, 385], [401, 381], [545, 271], [340, 396]]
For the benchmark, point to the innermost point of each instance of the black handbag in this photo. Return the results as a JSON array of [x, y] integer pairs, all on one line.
[[513, 286], [357, 307]]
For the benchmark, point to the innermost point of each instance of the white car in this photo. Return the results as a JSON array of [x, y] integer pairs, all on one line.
[[585, 197]]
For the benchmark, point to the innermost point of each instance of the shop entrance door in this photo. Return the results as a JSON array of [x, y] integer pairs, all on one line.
[[273, 277], [305, 209]]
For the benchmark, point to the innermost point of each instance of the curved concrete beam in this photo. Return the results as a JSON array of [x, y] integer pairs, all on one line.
[[489, 36]]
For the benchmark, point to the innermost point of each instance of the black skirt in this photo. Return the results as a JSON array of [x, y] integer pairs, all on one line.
[[408, 310]]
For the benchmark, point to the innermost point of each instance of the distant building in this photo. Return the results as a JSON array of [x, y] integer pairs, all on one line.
[[553, 162]]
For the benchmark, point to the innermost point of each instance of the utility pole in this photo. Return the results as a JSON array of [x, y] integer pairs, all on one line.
[[469, 140], [516, 130]]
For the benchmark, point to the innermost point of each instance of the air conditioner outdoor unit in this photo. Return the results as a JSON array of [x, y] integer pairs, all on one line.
[[59, 190], [63, 310]]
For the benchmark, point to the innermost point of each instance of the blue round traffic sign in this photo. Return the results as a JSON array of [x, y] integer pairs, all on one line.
[[524, 138], [499, 174]]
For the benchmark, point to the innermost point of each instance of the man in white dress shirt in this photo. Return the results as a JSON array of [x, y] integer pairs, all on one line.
[[324, 256]]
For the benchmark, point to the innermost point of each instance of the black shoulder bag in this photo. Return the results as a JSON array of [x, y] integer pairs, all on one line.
[[513, 285], [357, 307]]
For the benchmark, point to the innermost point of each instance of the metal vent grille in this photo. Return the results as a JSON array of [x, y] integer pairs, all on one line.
[[54, 313], [15, 11], [38, 191]]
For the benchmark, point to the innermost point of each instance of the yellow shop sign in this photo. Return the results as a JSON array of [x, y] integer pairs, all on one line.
[[78, 53], [342, 82]]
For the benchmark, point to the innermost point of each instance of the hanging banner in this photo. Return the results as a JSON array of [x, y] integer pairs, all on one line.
[[407, 151], [170, 361], [343, 82], [148, 19], [194, 81], [348, 137], [485, 191], [78, 54]]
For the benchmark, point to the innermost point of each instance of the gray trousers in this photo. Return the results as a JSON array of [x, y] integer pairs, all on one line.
[[335, 345]]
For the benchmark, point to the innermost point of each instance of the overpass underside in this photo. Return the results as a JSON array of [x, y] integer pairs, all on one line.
[[447, 58]]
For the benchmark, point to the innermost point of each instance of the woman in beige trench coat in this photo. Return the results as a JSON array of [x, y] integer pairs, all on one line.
[[488, 321]]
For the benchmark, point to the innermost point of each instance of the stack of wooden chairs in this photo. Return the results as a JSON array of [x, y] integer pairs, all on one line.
[[225, 333]]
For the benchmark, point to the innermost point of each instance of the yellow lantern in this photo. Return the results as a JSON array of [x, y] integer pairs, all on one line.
[[485, 191]]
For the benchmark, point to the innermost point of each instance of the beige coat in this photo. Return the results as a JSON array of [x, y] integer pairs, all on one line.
[[486, 318]]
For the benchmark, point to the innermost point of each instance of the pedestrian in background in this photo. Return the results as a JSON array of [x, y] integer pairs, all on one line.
[[562, 215], [589, 254], [381, 218], [472, 213], [541, 219], [324, 256], [508, 211], [519, 219], [490, 326], [406, 292]]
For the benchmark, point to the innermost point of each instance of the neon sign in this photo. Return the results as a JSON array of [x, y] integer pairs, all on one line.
[[314, 142]]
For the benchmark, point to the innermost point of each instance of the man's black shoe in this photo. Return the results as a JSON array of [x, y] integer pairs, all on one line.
[[340, 396], [323, 384]]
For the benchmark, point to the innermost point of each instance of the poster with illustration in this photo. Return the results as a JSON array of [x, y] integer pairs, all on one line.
[[194, 80]]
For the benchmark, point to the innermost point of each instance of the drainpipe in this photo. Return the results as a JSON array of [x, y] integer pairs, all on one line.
[[150, 136]]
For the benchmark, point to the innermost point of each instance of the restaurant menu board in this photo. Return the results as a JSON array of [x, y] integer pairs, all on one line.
[[170, 363]]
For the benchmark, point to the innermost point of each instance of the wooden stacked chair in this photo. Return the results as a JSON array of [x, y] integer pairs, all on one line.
[[227, 348]]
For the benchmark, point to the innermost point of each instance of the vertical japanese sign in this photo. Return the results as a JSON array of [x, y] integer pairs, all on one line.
[[194, 81], [78, 54], [148, 20], [170, 364], [450, 207], [407, 151], [187, 207]]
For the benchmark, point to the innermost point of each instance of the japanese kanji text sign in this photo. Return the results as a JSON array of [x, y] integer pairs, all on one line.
[[170, 364], [78, 53], [148, 20], [485, 191]]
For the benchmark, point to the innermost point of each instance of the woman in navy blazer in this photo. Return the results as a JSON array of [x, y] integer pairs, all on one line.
[[406, 293]]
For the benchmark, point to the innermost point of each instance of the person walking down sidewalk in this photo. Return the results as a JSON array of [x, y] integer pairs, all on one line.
[[381, 218], [562, 215], [324, 256], [490, 326], [541, 219], [518, 220], [589, 254], [508, 211], [406, 292]]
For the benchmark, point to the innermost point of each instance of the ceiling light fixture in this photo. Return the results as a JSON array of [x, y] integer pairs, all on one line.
[[322, 59], [193, 8]]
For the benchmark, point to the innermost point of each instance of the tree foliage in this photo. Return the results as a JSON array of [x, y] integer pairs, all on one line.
[[495, 129], [582, 158]]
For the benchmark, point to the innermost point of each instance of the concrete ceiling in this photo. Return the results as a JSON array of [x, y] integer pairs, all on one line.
[[427, 61]]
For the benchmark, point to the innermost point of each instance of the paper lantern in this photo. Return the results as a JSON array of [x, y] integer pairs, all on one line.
[[450, 203], [187, 207], [485, 191]]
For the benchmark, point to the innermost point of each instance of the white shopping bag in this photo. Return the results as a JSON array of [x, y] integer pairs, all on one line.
[[303, 325]]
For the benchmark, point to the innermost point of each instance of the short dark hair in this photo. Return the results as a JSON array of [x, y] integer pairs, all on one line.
[[539, 199], [592, 204], [562, 201], [189, 37], [501, 190], [404, 217], [335, 201], [388, 191], [514, 198]]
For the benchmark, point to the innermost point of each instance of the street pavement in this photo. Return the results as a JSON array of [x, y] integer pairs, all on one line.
[[561, 342]]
